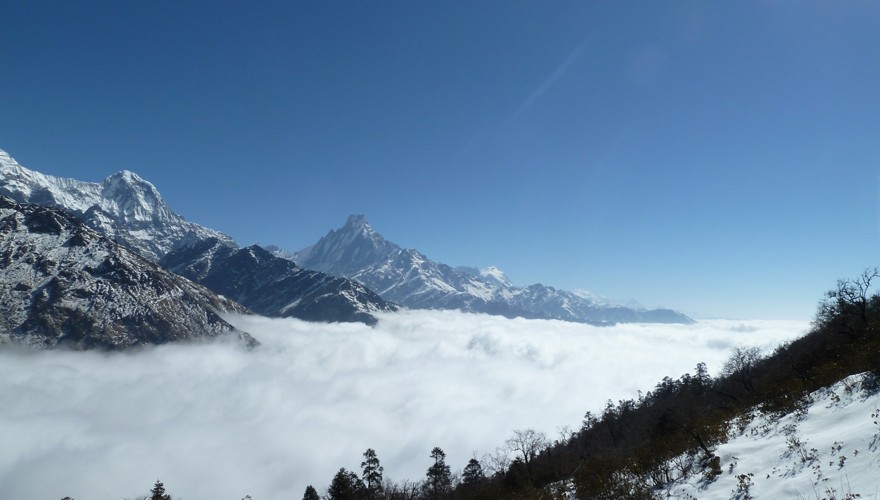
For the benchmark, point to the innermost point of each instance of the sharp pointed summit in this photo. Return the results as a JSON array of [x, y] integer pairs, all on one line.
[[347, 249], [408, 277], [358, 221]]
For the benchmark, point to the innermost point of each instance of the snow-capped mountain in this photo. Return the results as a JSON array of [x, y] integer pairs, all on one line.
[[123, 207], [407, 277], [129, 210], [63, 283], [273, 286]]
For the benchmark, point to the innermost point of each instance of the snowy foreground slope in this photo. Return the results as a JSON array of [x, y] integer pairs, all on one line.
[[828, 450]]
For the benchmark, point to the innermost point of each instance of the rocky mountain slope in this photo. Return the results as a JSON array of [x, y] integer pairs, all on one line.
[[123, 207], [64, 283], [408, 277], [273, 286], [130, 210]]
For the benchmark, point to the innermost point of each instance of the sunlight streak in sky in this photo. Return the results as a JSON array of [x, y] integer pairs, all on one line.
[[549, 81]]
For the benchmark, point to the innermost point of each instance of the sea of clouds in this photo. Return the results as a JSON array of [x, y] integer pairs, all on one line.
[[216, 421]]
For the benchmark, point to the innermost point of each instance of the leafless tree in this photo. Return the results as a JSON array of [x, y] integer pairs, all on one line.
[[740, 364], [498, 462], [848, 303], [528, 443]]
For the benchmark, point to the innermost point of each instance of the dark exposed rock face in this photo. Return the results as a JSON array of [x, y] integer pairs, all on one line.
[[273, 286], [64, 284]]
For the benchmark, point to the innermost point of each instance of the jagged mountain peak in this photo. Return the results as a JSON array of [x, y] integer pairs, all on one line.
[[354, 244], [123, 206], [275, 286], [133, 198], [357, 226], [128, 176], [358, 222], [408, 277], [494, 274], [126, 182]]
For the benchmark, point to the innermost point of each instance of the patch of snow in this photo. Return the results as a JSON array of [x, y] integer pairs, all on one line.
[[830, 450]]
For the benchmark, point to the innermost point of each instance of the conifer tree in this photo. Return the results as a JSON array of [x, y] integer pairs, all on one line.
[[473, 472], [158, 492], [311, 493], [345, 486], [438, 482], [372, 473]]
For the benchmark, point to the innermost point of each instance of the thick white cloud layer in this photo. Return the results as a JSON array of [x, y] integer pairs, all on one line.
[[214, 421]]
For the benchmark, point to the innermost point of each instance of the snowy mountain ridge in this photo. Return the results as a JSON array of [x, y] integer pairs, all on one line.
[[130, 210], [64, 283], [408, 277], [273, 286], [123, 206]]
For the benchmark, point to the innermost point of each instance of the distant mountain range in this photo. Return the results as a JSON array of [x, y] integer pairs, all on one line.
[[409, 278], [63, 283], [80, 266], [273, 286], [128, 210]]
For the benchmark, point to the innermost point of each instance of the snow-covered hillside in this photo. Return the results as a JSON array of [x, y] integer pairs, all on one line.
[[62, 283], [407, 277], [829, 449], [124, 207]]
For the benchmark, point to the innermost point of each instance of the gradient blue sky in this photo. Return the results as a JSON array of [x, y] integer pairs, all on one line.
[[721, 158]]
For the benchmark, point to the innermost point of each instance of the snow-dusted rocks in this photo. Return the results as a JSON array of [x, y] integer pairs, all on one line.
[[830, 448], [123, 207], [274, 286], [407, 277], [62, 283]]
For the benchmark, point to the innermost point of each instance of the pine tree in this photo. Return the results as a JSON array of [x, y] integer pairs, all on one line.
[[345, 486], [372, 473], [438, 482], [311, 493], [158, 492], [473, 472]]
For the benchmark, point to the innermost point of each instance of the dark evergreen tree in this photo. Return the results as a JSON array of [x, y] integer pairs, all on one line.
[[158, 492], [372, 474], [311, 493], [345, 486], [473, 472], [438, 483]]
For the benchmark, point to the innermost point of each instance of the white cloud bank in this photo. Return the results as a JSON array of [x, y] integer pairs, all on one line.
[[213, 421]]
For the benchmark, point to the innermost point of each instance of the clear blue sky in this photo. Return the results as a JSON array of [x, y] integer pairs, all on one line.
[[722, 158]]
